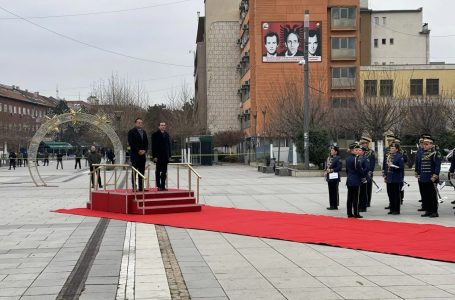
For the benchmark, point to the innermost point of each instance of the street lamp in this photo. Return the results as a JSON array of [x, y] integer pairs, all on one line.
[[306, 86]]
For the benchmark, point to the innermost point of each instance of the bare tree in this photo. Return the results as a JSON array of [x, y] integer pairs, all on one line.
[[122, 100], [428, 115]]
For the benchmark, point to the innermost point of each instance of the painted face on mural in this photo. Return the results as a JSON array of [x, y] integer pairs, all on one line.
[[313, 44], [292, 43], [271, 44]]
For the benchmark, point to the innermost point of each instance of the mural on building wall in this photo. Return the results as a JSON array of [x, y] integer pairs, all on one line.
[[284, 42]]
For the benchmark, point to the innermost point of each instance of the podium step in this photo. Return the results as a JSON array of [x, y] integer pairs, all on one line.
[[170, 209]]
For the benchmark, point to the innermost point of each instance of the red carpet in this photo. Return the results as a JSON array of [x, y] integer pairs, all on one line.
[[417, 240]]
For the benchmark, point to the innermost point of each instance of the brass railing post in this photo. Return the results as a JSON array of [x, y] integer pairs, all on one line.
[[189, 179], [178, 176], [104, 169], [197, 190]]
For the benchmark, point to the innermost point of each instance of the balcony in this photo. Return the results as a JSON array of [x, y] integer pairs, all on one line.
[[343, 18], [343, 54], [343, 83]]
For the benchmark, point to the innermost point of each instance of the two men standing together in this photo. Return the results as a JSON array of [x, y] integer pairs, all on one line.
[[161, 153]]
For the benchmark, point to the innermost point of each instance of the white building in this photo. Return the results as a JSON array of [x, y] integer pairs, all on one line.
[[399, 37]]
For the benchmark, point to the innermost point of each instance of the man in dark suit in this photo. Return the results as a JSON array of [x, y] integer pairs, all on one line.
[[139, 144], [161, 153]]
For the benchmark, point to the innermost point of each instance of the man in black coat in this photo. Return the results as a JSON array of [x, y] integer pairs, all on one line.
[[139, 144], [161, 153]]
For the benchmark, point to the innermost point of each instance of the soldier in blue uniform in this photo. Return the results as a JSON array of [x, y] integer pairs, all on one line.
[[417, 166], [389, 140], [405, 159], [365, 162], [428, 175], [355, 175], [371, 155], [394, 178], [332, 176]]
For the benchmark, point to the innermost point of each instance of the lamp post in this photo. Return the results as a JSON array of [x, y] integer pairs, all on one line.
[[306, 102]]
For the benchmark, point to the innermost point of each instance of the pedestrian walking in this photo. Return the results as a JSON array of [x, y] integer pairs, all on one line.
[[78, 157], [59, 160], [12, 160]]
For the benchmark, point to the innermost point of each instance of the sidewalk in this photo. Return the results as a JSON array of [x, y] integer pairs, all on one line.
[[44, 254]]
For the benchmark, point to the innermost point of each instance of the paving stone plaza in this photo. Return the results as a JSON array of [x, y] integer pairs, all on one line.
[[43, 254]]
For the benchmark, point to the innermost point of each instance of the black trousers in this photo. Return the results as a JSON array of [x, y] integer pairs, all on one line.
[[363, 197], [161, 174], [139, 164], [97, 175], [369, 191], [430, 197], [46, 162], [421, 194], [393, 190], [78, 162], [333, 193], [12, 163], [353, 200], [59, 162]]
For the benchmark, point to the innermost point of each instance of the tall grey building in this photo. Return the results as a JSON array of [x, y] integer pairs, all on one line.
[[217, 57]]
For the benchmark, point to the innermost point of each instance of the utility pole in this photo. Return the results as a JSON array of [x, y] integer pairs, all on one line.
[[306, 86]]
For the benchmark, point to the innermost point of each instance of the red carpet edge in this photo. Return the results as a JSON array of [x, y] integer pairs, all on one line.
[[434, 242]]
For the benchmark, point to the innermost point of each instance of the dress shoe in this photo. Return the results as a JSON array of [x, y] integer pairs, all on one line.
[[358, 217], [395, 213], [453, 202], [332, 208], [351, 216], [387, 207], [425, 215], [362, 210], [368, 205], [421, 200], [421, 209], [434, 215]]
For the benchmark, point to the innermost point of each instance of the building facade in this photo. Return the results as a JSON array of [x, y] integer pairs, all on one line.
[[387, 35], [21, 114], [221, 56], [265, 76], [408, 81]]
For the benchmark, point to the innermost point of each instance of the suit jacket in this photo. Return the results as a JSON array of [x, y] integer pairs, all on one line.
[[137, 143], [161, 146]]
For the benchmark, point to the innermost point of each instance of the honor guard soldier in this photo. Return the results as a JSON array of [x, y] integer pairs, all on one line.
[[428, 175], [394, 178], [371, 155], [363, 197], [332, 176], [417, 167], [354, 180], [390, 138], [405, 159]]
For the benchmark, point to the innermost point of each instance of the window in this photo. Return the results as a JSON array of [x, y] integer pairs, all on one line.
[[343, 43], [343, 17], [342, 102], [386, 88], [383, 41], [384, 19], [343, 77], [1, 107], [376, 44], [376, 20], [370, 88], [391, 41], [433, 87], [416, 87]]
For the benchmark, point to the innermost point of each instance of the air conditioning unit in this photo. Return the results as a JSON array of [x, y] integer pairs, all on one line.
[[245, 26]]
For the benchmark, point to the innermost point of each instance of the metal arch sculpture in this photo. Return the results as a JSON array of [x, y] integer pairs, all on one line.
[[100, 121]]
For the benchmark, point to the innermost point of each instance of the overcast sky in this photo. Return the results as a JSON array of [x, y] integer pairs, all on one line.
[[162, 30]]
